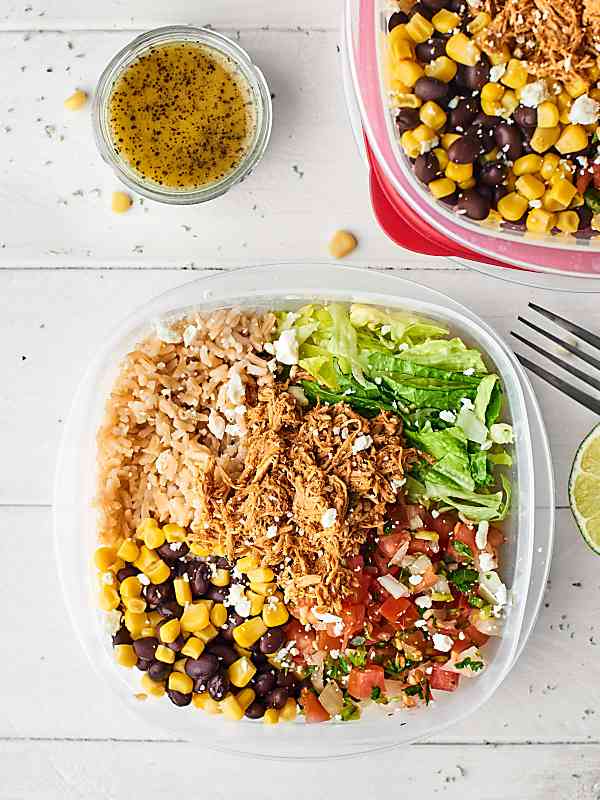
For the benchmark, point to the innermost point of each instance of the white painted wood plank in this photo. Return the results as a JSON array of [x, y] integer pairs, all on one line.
[[68, 14], [551, 695], [55, 189], [77, 308]]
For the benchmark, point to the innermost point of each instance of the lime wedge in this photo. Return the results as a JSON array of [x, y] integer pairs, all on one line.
[[584, 489]]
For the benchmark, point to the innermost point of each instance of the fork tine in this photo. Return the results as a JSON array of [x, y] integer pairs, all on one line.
[[588, 337], [577, 373], [594, 362], [562, 386]]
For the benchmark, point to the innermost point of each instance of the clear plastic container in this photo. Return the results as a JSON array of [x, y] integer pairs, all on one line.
[[289, 286], [365, 26]]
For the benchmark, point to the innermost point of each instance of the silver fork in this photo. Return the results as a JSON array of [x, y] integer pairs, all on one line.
[[590, 338]]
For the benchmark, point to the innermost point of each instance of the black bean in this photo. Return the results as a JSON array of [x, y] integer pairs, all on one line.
[[585, 215], [287, 680], [223, 652], [199, 582], [145, 647], [233, 620], [474, 78], [450, 199], [177, 645], [525, 117], [483, 135], [122, 636], [464, 114], [509, 140], [205, 666], [437, 5], [181, 568], [264, 683], [422, 9], [429, 50], [464, 150], [156, 594], [272, 640], [486, 191], [259, 658], [256, 710], [407, 119], [170, 609], [474, 204], [178, 698], [126, 572], [144, 664], [218, 685], [171, 551], [487, 120], [499, 193], [458, 6], [158, 670], [277, 698], [493, 173], [218, 593], [427, 167], [397, 18], [223, 563], [430, 89]]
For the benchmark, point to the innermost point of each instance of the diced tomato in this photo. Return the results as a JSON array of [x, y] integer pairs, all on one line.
[[443, 679], [414, 639], [428, 579], [401, 613], [356, 563], [583, 181], [383, 564], [361, 682], [361, 592], [443, 525], [476, 636], [421, 546], [390, 544], [304, 639], [465, 535], [596, 175], [495, 538], [353, 617], [381, 632], [326, 642], [461, 644], [313, 710]]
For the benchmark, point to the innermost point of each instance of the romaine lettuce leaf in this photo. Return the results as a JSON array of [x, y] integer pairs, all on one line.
[[400, 326], [448, 354]]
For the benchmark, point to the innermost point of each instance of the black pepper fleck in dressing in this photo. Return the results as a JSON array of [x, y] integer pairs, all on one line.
[[182, 116]]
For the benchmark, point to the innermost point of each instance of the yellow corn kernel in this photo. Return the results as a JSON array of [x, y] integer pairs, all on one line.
[[459, 172], [154, 618], [509, 103], [134, 623], [104, 558], [289, 711], [491, 156], [179, 665], [159, 572], [153, 538], [249, 632], [245, 698], [512, 206], [135, 604], [491, 95], [549, 164], [208, 633], [515, 75], [527, 165], [408, 72], [463, 50], [510, 181], [530, 187], [572, 139], [479, 23], [564, 100], [559, 196], [146, 559], [220, 577], [218, 615], [448, 139], [180, 682], [242, 651], [153, 688], [183, 593], [442, 157], [125, 654], [145, 525], [567, 221], [442, 68], [174, 533], [399, 48], [445, 21], [193, 648], [206, 703], [419, 28], [493, 218], [595, 94], [108, 598], [170, 631], [274, 613], [547, 114], [129, 550], [164, 654], [148, 630], [247, 563], [199, 550], [407, 100], [257, 602], [442, 187], [576, 87], [577, 201], [501, 56], [271, 716], [468, 184], [544, 138], [266, 589], [261, 575], [241, 672], [432, 115], [540, 221], [194, 618], [231, 709], [130, 587]]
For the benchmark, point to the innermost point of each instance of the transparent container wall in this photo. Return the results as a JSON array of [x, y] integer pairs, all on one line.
[[365, 34], [75, 521]]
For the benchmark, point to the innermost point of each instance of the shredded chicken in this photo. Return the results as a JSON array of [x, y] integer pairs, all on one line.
[[313, 487]]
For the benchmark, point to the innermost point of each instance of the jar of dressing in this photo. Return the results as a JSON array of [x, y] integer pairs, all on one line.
[[182, 114]]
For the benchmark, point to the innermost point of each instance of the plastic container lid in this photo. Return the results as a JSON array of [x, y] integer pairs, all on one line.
[[289, 286]]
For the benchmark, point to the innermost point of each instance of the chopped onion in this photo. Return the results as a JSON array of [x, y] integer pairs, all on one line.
[[394, 688], [414, 521], [396, 559], [421, 565], [393, 586], [492, 626], [332, 699]]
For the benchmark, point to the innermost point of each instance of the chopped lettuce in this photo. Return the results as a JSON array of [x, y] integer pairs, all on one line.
[[399, 326]]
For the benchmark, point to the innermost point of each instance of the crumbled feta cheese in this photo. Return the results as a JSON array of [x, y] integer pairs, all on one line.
[[487, 562], [415, 580], [492, 588], [335, 654], [532, 94], [166, 334], [143, 579], [189, 335], [442, 643], [269, 348], [362, 442], [429, 144], [108, 578], [392, 585], [467, 404], [216, 424], [454, 102], [447, 416], [496, 72], [482, 534], [286, 348], [435, 513], [424, 601], [584, 111], [338, 628], [236, 597], [535, 204], [461, 636], [397, 484], [325, 617], [421, 623], [469, 372], [272, 531], [328, 518]]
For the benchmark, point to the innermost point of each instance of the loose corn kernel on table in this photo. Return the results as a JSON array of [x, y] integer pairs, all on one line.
[[71, 269]]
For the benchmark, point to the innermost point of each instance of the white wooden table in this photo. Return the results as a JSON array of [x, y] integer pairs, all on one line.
[[70, 269]]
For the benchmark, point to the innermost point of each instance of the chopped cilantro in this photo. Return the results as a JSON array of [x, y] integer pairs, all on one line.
[[468, 662], [388, 527], [416, 689], [463, 578], [395, 667], [422, 690], [476, 601], [358, 657], [463, 549], [375, 693], [349, 710]]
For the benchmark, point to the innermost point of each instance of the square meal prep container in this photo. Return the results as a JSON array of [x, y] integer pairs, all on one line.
[[398, 194], [286, 286]]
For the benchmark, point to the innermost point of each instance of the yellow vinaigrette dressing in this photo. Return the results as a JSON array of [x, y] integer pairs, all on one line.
[[182, 115]]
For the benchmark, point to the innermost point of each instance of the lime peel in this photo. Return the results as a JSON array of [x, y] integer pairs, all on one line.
[[584, 489]]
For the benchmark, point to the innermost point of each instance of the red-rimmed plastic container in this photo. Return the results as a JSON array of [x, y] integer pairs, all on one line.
[[409, 214]]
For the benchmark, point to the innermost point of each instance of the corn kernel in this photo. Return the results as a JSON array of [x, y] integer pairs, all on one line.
[[528, 165], [289, 711], [130, 587], [479, 23], [512, 206], [442, 157], [194, 618], [241, 672], [549, 164], [510, 181], [218, 615], [247, 563], [134, 623], [577, 201], [559, 196], [179, 665], [406, 100], [572, 139], [540, 221], [419, 28], [432, 115], [180, 682], [249, 632], [576, 87], [206, 703], [396, 38], [257, 602], [515, 75], [442, 68], [442, 187], [567, 221], [135, 604], [159, 572], [445, 21], [76, 101], [274, 613], [154, 618], [530, 187], [146, 559], [509, 103], [491, 95], [231, 709], [271, 716], [242, 651], [193, 648], [459, 172], [468, 184], [493, 218], [183, 593], [220, 577], [154, 538], [245, 698], [146, 524], [208, 633], [170, 631], [108, 598], [500, 56], [491, 156], [547, 114], [164, 654], [462, 50], [148, 630], [199, 550], [153, 688], [125, 655], [104, 558], [399, 50], [174, 533], [408, 72], [129, 550], [266, 589], [544, 138], [261, 575]]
